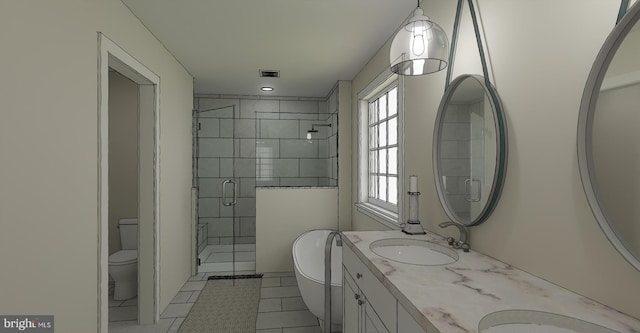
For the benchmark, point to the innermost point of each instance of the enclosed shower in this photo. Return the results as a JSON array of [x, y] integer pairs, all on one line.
[[225, 178], [243, 143]]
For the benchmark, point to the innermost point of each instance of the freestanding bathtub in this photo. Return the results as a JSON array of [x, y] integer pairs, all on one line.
[[308, 262]]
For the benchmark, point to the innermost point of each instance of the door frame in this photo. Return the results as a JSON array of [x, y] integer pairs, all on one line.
[[110, 55]]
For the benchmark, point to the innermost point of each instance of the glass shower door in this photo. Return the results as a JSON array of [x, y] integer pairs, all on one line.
[[218, 190], [474, 193]]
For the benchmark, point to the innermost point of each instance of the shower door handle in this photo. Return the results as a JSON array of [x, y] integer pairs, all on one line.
[[224, 192], [468, 190]]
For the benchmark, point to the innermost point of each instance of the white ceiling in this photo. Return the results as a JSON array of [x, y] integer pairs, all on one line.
[[313, 43]]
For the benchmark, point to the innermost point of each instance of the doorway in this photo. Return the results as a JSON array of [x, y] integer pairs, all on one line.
[[123, 198], [112, 57]]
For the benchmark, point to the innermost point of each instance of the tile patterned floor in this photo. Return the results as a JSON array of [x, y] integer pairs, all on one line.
[[281, 309]]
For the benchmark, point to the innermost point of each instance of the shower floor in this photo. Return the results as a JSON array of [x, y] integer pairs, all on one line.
[[220, 258]]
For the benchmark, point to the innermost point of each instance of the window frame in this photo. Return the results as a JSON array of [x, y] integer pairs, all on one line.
[[383, 92], [382, 212]]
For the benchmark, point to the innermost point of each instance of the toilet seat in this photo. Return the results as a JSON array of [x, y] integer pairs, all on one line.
[[123, 257]]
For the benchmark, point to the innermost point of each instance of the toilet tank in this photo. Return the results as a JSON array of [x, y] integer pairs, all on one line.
[[128, 233]]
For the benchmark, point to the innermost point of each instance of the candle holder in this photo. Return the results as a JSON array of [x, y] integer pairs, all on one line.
[[413, 226]]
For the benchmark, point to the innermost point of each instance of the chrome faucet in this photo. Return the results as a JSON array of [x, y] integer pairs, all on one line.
[[464, 234], [327, 276], [338, 238]]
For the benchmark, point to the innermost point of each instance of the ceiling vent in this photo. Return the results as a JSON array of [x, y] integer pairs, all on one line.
[[269, 73]]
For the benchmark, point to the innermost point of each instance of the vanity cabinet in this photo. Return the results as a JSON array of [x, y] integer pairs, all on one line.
[[368, 307], [351, 304], [384, 295], [359, 315]]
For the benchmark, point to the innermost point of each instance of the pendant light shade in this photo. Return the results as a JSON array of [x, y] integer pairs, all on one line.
[[420, 47]]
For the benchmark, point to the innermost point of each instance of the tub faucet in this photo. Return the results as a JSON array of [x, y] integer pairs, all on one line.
[[464, 234], [327, 277], [338, 238]]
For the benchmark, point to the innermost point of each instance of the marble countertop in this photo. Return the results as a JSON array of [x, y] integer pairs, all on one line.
[[455, 297]]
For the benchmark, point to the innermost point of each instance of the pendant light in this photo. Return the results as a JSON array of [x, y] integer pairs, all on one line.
[[419, 47]]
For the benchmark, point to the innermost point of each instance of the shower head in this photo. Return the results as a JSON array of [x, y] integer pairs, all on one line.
[[309, 133], [314, 130]]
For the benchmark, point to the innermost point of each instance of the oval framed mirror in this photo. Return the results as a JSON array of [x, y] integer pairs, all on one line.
[[469, 150], [609, 140]]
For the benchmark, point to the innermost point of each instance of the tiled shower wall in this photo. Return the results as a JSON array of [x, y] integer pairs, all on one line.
[[220, 138], [227, 149], [332, 139], [285, 157]]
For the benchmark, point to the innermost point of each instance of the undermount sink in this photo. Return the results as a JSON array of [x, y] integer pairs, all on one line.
[[528, 321], [412, 251]]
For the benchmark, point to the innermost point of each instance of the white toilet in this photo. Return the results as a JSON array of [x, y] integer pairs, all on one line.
[[123, 265]]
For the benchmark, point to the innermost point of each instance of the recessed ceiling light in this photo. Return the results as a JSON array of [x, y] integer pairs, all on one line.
[[266, 88]]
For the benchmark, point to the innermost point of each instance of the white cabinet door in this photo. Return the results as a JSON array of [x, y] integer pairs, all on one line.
[[350, 306], [372, 323], [371, 288], [362, 292]]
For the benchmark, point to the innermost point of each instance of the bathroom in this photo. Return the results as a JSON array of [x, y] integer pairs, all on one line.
[[540, 55]]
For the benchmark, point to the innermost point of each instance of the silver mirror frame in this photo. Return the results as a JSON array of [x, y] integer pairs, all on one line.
[[585, 130], [501, 149]]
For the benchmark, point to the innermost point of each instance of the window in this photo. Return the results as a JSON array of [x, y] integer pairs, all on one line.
[[383, 149], [380, 158]]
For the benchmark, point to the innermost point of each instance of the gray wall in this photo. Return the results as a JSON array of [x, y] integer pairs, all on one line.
[[49, 148]]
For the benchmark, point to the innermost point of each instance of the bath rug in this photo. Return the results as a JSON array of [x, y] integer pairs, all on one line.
[[225, 305]]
